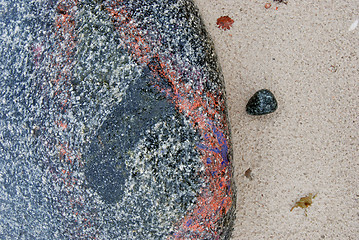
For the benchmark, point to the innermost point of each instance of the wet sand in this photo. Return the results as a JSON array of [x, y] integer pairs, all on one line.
[[307, 53]]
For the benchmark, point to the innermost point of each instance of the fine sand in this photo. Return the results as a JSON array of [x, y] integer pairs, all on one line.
[[307, 53]]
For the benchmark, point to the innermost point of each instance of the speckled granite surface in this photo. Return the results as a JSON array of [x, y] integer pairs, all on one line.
[[113, 123]]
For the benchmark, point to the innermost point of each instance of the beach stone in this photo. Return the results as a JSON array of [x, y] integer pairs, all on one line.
[[113, 123], [262, 102]]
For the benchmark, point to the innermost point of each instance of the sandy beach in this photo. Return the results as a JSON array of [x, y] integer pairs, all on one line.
[[307, 53]]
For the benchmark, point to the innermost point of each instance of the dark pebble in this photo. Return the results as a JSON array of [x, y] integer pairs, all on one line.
[[248, 174], [262, 102]]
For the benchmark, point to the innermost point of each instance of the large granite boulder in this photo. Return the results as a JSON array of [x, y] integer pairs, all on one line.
[[113, 122]]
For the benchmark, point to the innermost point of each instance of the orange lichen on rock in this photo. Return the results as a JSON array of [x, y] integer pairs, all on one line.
[[225, 22]]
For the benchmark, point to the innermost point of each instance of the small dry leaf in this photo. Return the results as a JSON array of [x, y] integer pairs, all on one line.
[[304, 202], [225, 22]]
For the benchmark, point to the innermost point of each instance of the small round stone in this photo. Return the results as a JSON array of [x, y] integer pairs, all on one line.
[[262, 102]]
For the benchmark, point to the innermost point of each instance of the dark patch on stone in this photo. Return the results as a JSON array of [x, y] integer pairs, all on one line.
[[262, 102], [140, 109]]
